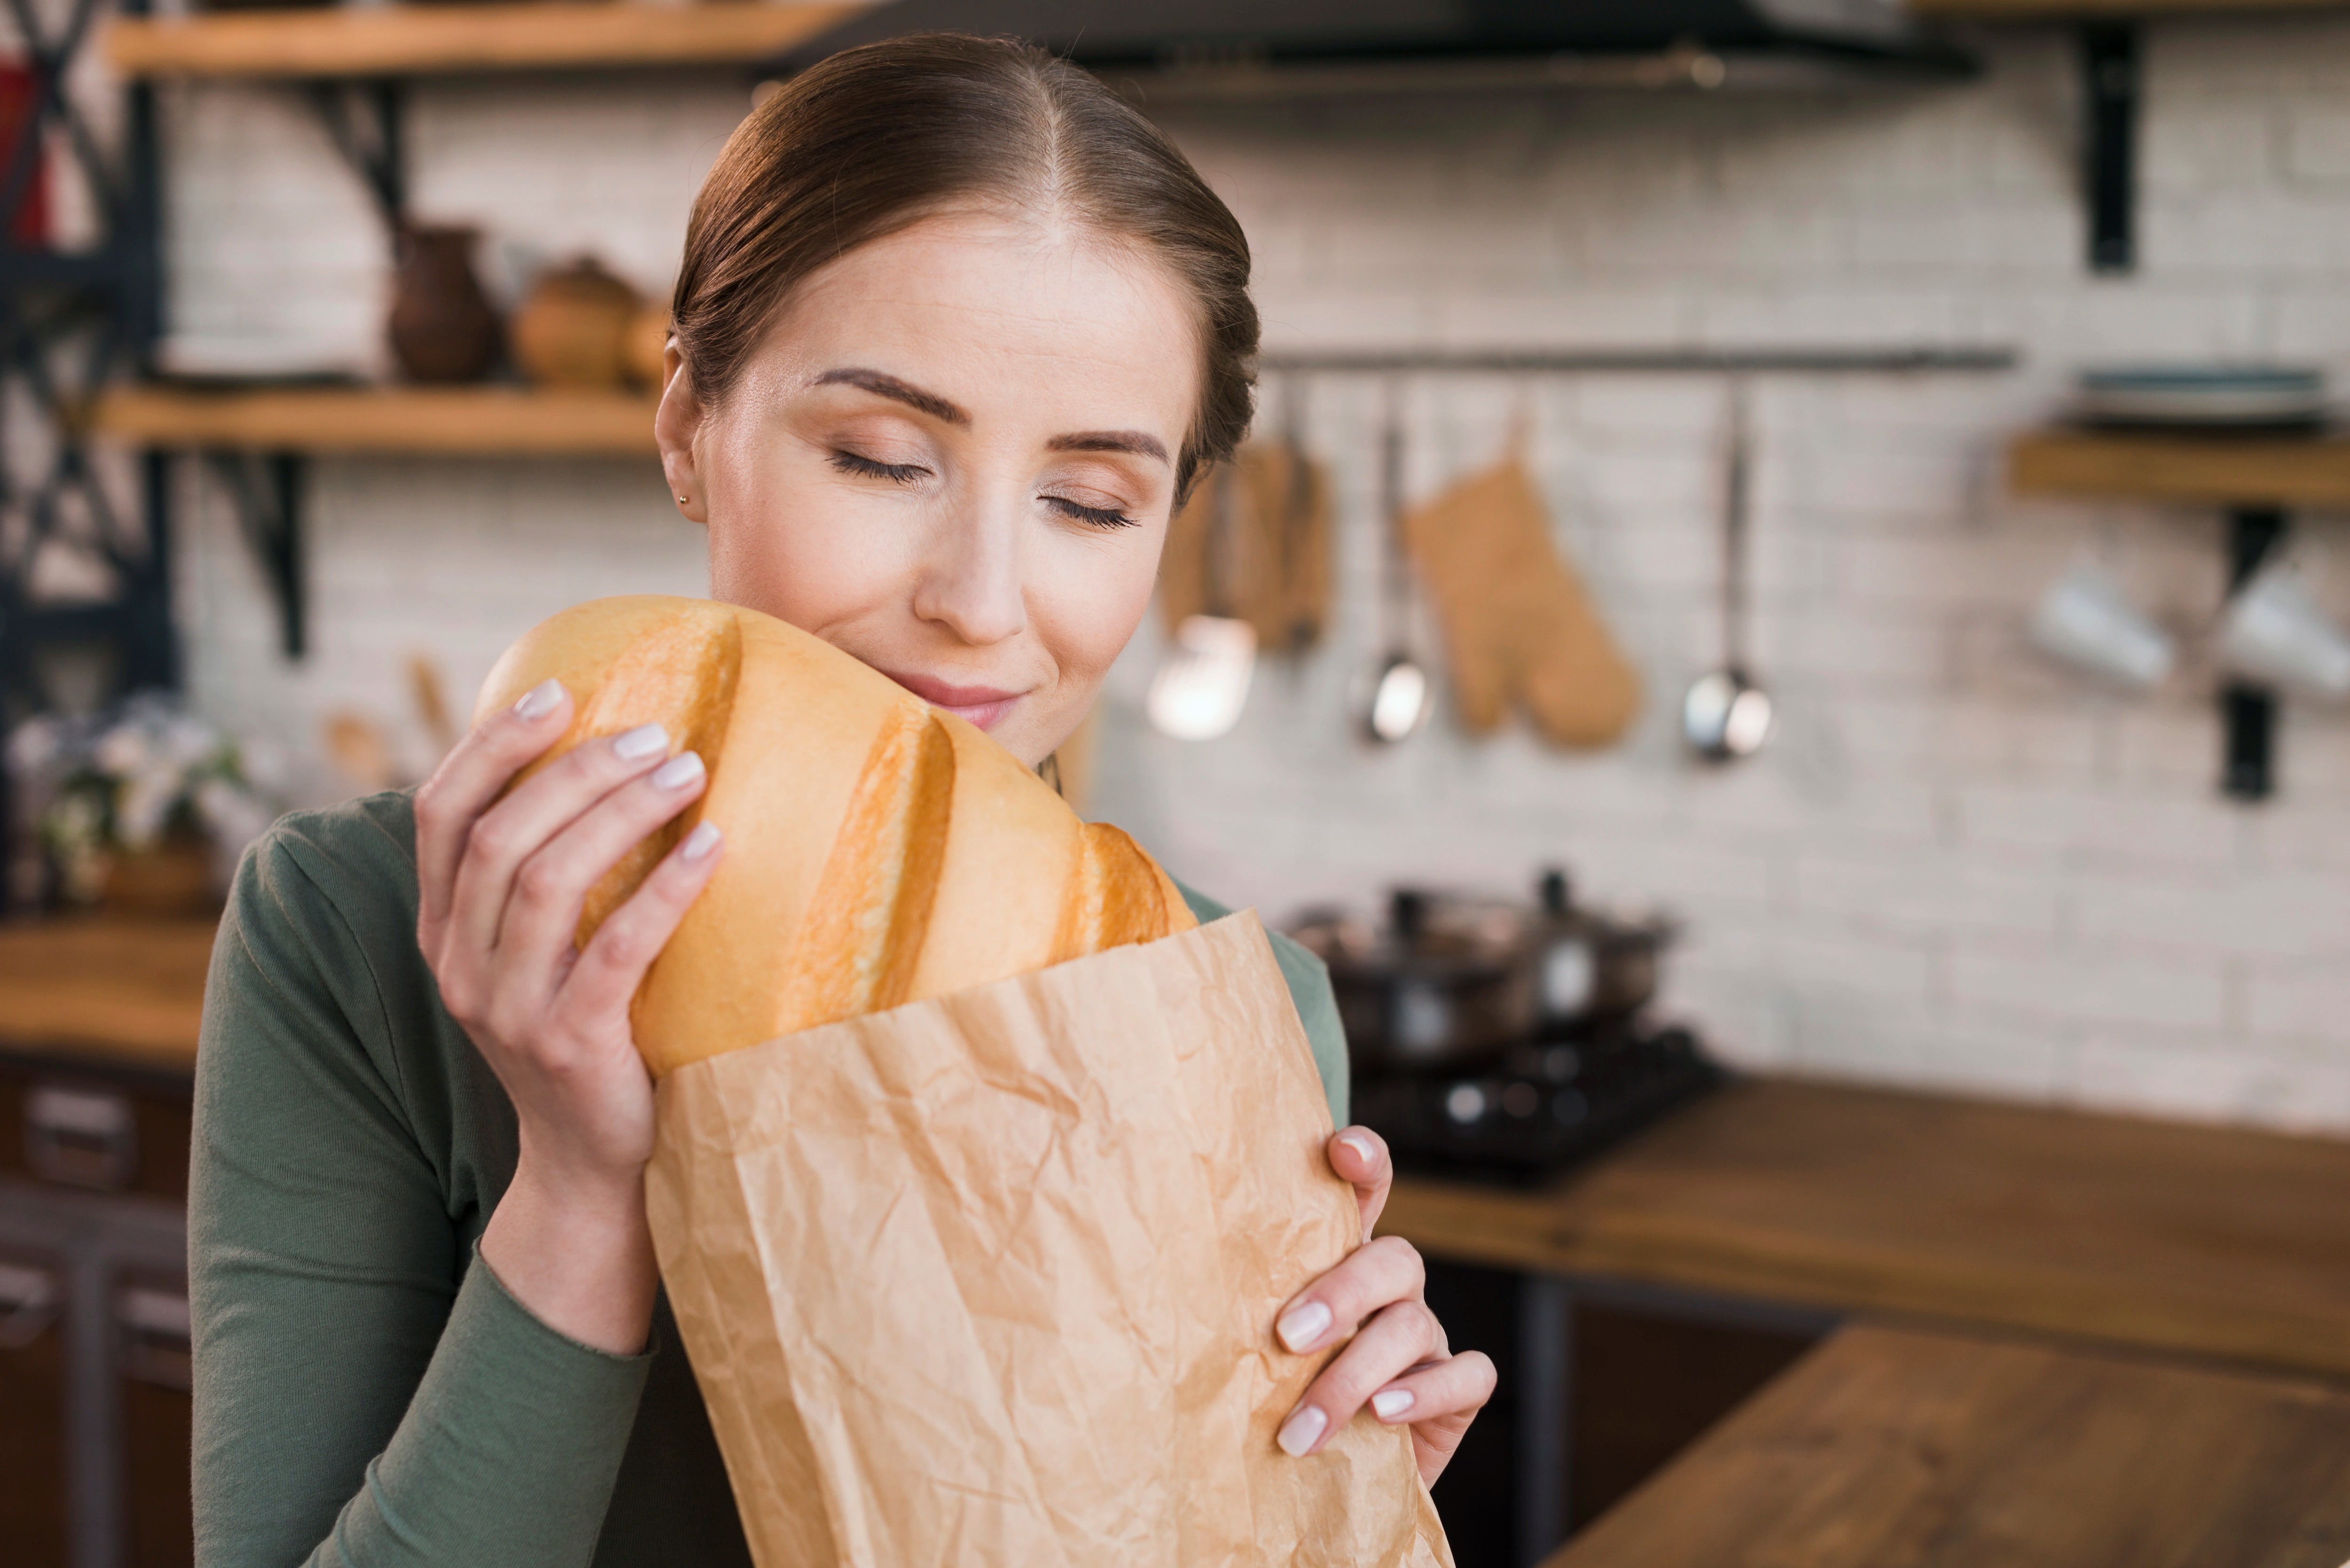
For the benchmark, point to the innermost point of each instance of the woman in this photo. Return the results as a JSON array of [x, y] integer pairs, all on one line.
[[955, 331]]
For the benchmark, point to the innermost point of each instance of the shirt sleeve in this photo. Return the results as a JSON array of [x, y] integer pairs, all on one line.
[[1318, 1005], [366, 1392]]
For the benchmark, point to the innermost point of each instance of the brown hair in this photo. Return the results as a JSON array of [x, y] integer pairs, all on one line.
[[875, 139]]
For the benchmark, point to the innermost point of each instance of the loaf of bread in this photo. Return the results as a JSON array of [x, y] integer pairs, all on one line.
[[877, 852]]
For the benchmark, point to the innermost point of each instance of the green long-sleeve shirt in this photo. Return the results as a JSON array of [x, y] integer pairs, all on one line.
[[367, 1393]]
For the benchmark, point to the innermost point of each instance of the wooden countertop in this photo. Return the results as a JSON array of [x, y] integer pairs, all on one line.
[[1885, 1447], [2210, 1242], [124, 990]]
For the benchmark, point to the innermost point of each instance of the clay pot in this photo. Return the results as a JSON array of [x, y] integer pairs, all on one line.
[[441, 326], [573, 329], [645, 345]]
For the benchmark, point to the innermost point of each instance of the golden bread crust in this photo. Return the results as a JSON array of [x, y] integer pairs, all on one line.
[[876, 852]]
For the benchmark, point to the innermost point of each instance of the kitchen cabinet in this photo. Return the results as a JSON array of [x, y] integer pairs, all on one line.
[[1939, 1451], [97, 1032]]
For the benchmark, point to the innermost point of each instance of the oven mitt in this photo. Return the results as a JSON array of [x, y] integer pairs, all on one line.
[[1278, 578], [1518, 624]]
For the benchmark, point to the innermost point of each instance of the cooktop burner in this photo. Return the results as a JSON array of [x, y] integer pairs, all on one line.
[[1537, 1109]]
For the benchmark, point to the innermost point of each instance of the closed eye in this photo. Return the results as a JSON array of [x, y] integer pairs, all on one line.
[[1097, 516], [869, 468]]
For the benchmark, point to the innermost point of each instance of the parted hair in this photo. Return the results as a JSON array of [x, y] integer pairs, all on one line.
[[873, 139]]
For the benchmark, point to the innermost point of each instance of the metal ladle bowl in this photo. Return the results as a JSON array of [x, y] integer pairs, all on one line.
[[1725, 716], [1399, 701]]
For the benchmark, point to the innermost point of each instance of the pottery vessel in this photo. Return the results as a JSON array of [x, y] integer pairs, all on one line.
[[573, 330], [442, 328]]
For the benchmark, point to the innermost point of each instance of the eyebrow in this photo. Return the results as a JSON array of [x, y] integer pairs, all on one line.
[[884, 385], [1135, 442]]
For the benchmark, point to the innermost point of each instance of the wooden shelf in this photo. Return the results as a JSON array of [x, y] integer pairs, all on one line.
[[2079, 10], [2224, 470], [478, 421], [402, 40]]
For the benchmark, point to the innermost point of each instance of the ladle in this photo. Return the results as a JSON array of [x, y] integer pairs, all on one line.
[[1198, 692], [1396, 699], [1727, 714]]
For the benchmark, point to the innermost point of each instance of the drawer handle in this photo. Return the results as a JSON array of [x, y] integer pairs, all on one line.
[[29, 1303], [80, 1138], [154, 1325]]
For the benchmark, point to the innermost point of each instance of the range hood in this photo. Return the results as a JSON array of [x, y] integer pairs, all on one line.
[[1184, 48]]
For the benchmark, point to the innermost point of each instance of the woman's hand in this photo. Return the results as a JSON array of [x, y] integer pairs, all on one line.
[[501, 885], [1398, 1362]]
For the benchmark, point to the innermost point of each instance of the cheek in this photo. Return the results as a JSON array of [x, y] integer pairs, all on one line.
[[1089, 598], [785, 540]]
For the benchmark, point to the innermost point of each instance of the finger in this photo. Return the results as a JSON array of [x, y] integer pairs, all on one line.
[[1374, 1275], [519, 827], [1458, 1385], [542, 916], [468, 779], [1458, 1388], [1359, 1156], [1399, 1338], [632, 935]]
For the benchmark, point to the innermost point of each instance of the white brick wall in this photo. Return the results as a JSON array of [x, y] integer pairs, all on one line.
[[1956, 866]]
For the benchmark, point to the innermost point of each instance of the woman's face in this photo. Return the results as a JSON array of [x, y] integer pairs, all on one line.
[[954, 458]]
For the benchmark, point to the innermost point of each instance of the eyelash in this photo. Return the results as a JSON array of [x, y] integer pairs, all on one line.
[[1098, 517], [895, 473], [907, 473]]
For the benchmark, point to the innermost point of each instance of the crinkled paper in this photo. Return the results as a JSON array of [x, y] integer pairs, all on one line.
[[991, 1278]]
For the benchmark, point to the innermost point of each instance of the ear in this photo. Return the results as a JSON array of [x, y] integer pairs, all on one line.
[[675, 425]]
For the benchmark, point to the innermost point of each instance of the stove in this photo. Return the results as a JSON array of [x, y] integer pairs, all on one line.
[[1537, 1107]]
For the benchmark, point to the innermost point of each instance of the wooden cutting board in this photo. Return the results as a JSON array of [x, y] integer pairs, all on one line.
[[1519, 626], [1278, 576]]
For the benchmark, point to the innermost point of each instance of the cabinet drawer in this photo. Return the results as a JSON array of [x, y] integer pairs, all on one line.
[[68, 1124]]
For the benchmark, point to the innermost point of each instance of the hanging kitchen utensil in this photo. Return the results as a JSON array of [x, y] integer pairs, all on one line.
[[1395, 703], [1518, 623], [1275, 531], [1302, 534], [1726, 714], [1198, 692]]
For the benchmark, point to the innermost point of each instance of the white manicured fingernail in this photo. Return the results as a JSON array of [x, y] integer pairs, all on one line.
[[680, 771], [1361, 1146], [635, 745], [1389, 1403], [538, 701], [1300, 1431], [700, 842], [1302, 1327]]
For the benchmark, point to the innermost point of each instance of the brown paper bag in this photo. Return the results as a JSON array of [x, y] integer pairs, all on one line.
[[991, 1278]]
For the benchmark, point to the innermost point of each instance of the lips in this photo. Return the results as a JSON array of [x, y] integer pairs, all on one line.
[[985, 706]]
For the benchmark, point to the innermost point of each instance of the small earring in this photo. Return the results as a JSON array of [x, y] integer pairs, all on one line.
[[681, 500]]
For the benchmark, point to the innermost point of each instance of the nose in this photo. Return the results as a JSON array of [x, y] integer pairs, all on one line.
[[970, 582]]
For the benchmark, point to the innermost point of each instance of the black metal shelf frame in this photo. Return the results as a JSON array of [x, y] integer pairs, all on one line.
[[67, 322]]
